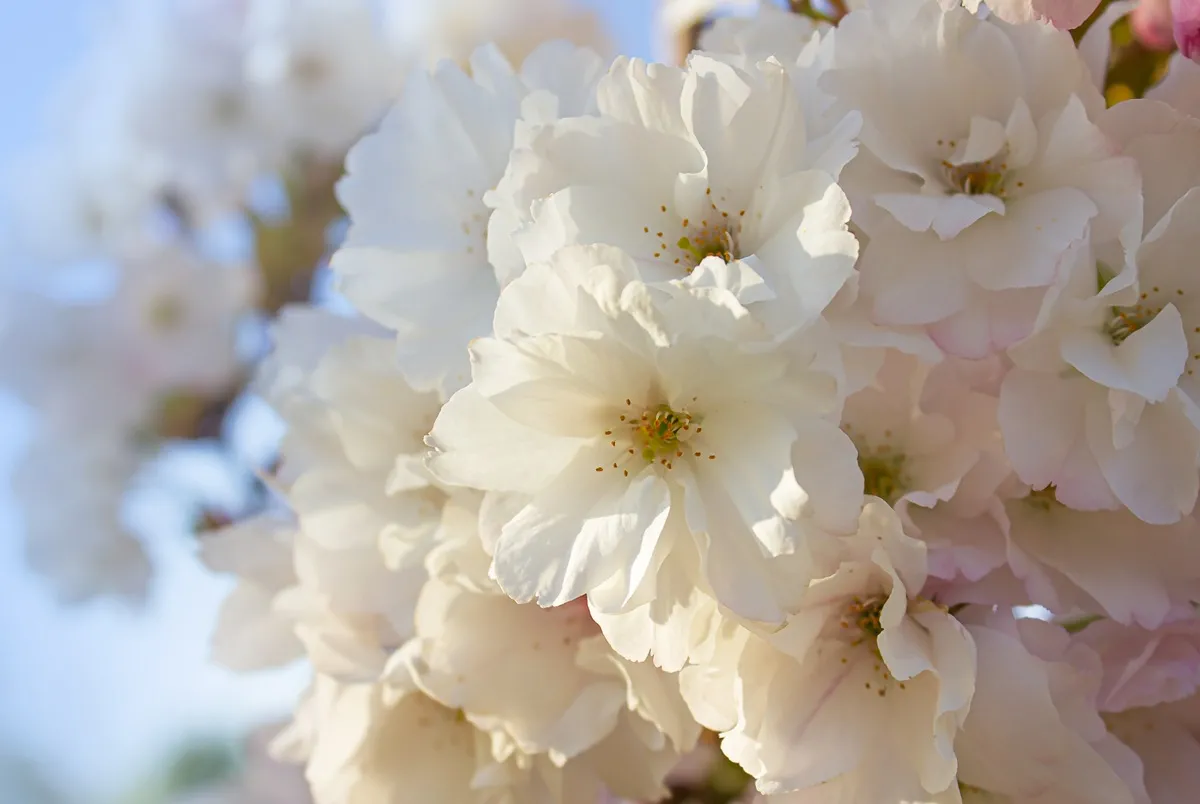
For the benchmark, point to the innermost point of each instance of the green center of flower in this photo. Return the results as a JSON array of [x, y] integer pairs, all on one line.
[[166, 313], [868, 613], [227, 108], [714, 243], [883, 475], [659, 435], [977, 178], [309, 69], [1127, 320], [1043, 499], [659, 431]]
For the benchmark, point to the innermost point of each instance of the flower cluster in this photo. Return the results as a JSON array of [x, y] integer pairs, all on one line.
[[754, 398], [185, 192]]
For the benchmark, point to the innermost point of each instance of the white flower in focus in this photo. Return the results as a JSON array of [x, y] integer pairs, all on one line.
[[636, 419], [416, 254], [1105, 401], [705, 176], [980, 166], [861, 695]]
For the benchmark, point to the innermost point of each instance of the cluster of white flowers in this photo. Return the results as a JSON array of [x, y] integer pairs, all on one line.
[[128, 291], [750, 397]]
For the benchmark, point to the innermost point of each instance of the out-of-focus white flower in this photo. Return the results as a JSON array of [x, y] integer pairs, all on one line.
[[678, 18], [177, 318], [250, 633], [1065, 14], [366, 510], [453, 29], [72, 486], [771, 33], [416, 255], [320, 71]]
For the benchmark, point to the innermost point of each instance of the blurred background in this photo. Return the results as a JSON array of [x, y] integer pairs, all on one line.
[[107, 692]]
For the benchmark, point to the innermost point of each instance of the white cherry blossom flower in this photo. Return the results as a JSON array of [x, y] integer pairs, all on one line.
[[861, 695], [251, 633], [544, 681], [705, 176], [906, 455], [319, 70], [416, 254], [977, 176], [635, 418]]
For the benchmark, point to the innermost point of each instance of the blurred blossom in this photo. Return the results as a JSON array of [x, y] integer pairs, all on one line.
[[1151, 23], [1186, 23]]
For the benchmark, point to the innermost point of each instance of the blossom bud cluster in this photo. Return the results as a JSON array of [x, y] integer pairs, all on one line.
[[760, 398]]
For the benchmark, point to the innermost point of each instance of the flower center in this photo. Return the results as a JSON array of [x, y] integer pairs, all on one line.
[[166, 313], [863, 616], [1127, 320], [883, 476], [659, 432], [1043, 499], [883, 468], [976, 178], [717, 243], [658, 435], [227, 108], [715, 234], [309, 69]]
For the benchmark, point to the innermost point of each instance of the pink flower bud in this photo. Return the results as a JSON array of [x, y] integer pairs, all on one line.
[[1186, 15], [1151, 24]]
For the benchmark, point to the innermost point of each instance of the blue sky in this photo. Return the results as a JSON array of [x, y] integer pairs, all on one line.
[[96, 695]]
